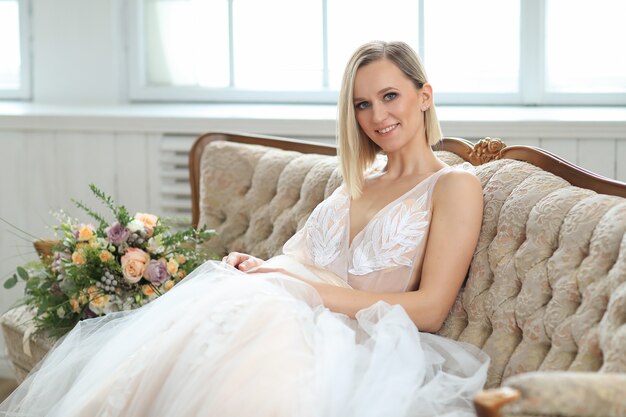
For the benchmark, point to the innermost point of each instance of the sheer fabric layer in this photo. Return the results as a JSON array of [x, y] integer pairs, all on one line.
[[225, 343]]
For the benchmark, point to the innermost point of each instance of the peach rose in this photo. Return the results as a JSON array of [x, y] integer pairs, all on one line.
[[78, 258], [149, 221], [180, 259], [100, 304], [106, 256], [181, 274], [172, 267], [85, 233], [134, 264], [168, 285], [74, 305], [85, 295], [147, 290]]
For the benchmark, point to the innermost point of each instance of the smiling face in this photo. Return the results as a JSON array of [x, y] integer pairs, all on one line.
[[388, 106]]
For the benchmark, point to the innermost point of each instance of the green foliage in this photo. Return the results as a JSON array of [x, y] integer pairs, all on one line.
[[101, 220], [22, 273], [10, 282]]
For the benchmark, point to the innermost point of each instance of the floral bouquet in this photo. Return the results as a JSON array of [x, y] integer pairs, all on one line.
[[97, 269]]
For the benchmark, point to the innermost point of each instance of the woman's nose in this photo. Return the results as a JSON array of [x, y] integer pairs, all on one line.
[[379, 113]]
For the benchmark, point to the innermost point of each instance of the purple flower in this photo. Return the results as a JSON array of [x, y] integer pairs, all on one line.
[[57, 261], [89, 314], [156, 272], [117, 234]]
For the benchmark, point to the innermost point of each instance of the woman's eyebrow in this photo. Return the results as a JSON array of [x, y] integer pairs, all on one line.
[[384, 90]]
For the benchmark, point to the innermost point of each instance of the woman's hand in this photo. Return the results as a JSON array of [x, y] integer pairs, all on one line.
[[242, 261]]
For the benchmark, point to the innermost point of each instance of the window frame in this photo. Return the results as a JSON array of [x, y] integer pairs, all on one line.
[[24, 91], [532, 90]]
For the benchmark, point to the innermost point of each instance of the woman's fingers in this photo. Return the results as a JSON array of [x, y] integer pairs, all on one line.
[[235, 258], [250, 263], [245, 265], [242, 261]]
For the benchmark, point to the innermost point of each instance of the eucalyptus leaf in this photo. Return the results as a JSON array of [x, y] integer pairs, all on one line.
[[10, 283], [22, 273]]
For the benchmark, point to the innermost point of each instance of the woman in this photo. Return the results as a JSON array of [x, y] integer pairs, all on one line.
[[330, 327]]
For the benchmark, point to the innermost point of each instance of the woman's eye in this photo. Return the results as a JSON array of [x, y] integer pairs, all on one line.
[[362, 105], [390, 96]]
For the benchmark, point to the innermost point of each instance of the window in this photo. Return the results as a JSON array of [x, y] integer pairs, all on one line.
[[585, 51], [14, 80], [480, 52]]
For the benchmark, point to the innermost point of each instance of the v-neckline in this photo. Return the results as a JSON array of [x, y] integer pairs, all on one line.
[[392, 202]]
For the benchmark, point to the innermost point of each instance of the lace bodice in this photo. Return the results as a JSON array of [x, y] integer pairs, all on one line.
[[386, 256]]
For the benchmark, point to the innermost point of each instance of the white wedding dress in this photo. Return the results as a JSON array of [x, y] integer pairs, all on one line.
[[226, 343]]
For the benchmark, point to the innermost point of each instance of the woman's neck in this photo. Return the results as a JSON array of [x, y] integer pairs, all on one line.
[[414, 161]]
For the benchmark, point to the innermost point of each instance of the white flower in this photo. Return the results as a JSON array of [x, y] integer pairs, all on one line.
[[135, 225], [61, 312], [155, 244], [128, 303]]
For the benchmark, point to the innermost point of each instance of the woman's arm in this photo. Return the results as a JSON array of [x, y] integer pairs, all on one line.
[[455, 226]]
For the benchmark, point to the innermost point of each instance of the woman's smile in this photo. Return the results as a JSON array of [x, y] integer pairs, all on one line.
[[387, 130]]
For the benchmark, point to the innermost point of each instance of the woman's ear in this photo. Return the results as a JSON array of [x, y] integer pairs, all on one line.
[[426, 96]]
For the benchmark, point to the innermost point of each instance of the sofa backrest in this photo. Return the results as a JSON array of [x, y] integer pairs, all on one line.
[[546, 289], [547, 283]]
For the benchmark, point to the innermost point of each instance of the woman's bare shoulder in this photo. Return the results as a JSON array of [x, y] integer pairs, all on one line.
[[457, 186]]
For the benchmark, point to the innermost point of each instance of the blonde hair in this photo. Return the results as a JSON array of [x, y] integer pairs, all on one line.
[[356, 151]]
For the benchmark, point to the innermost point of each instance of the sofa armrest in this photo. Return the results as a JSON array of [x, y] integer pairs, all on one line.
[[24, 347], [567, 394]]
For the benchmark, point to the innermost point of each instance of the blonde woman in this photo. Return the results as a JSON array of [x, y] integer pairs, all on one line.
[[340, 325]]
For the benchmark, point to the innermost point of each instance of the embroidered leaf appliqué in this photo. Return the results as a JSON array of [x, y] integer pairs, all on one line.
[[388, 238], [325, 229]]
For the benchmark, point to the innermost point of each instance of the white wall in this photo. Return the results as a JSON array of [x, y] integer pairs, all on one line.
[[78, 51]]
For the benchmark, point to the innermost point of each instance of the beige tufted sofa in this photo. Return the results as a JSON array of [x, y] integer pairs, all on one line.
[[545, 296], [546, 291]]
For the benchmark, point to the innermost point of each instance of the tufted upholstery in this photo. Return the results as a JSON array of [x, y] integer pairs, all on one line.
[[546, 288], [547, 285], [256, 197]]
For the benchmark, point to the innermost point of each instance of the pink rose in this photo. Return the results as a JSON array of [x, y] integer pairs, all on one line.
[[134, 264]]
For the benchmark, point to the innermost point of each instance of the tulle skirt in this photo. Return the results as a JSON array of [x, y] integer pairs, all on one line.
[[224, 343]]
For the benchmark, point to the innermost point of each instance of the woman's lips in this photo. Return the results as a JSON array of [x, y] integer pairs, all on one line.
[[387, 129]]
